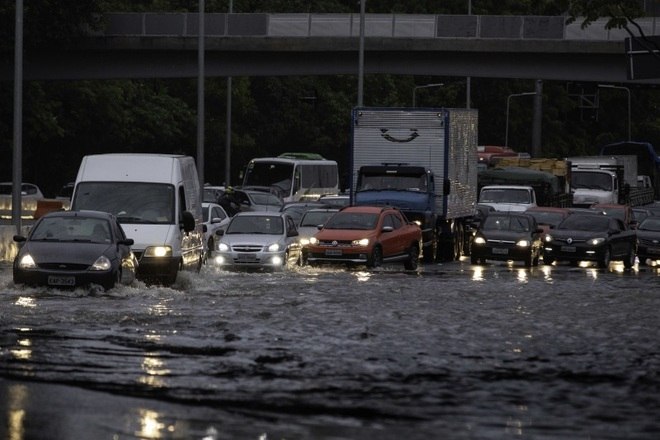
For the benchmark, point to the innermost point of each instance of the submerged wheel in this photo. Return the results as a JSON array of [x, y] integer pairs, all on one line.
[[376, 258], [604, 261], [413, 258]]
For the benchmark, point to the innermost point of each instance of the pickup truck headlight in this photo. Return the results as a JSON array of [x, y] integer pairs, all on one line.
[[596, 241], [361, 242], [158, 251]]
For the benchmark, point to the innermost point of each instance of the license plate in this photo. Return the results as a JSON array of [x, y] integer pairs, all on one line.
[[333, 252], [500, 251], [246, 257], [568, 248], [54, 280]]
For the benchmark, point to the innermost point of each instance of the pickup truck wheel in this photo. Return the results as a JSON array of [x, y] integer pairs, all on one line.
[[604, 261], [413, 258], [376, 258]]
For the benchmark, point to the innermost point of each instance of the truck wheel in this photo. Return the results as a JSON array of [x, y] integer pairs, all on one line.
[[413, 258], [376, 258], [604, 261]]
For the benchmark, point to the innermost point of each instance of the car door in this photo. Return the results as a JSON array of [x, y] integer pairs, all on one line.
[[390, 239]]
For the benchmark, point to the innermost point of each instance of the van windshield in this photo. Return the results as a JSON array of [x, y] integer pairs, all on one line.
[[267, 174], [130, 202]]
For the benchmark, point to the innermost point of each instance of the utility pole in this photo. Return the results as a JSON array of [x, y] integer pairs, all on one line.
[[228, 123], [538, 119], [361, 56], [200, 100], [16, 201]]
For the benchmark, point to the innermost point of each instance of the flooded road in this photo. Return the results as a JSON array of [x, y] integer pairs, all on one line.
[[451, 351]]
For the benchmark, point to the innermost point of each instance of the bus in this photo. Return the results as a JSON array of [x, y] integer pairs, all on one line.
[[293, 176]]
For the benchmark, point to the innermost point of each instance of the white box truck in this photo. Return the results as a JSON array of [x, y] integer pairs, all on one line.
[[423, 161], [156, 198]]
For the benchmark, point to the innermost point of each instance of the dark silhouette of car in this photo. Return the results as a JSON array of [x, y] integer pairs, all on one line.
[[648, 239], [507, 236], [591, 237], [367, 235], [68, 249]]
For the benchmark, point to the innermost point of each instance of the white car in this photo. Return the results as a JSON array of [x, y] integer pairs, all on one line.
[[258, 240], [215, 218], [30, 194]]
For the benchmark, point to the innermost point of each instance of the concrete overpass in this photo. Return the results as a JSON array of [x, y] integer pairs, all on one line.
[[164, 45]]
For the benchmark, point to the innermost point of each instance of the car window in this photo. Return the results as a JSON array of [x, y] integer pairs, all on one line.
[[650, 224], [218, 213], [585, 223], [95, 230], [253, 224]]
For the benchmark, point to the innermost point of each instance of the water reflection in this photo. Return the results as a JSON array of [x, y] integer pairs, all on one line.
[[17, 401], [155, 369], [478, 273], [363, 276], [26, 301], [150, 426]]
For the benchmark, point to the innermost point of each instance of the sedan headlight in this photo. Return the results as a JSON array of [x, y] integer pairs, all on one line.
[[361, 242], [223, 247], [27, 262], [274, 247], [305, 241], [596, 241], [101, 263], [548, 238], [522, 243], [158, 251], [479, 240]]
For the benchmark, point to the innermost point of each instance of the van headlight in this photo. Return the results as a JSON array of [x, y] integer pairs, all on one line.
[[27, 262], [158, 251]]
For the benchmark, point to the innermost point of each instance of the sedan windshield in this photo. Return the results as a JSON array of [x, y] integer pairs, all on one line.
[[352, 220], [506, 223], [650, 224], [256, 224], [585, 223]]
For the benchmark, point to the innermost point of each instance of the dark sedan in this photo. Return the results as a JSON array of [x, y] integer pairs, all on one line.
[[648, 239], [591, 237], [507, 236], [68, 249]]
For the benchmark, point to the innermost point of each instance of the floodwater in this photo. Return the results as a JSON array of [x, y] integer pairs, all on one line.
[[451, 351]]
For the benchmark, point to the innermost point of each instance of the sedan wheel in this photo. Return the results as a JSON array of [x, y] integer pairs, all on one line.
[[629, 261], [604, 261]]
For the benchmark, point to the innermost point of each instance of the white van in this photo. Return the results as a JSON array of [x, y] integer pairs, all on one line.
[[156, 198]]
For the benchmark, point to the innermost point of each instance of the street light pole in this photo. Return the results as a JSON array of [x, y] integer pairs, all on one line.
[[610, 86], [425, 86], [228, 123], [361, 56], [508, 103], [200, 100], [17, 182]]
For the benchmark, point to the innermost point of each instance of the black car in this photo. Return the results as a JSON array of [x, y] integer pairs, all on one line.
[[591, 237], [648, 239], [507, 236], [68, 249]]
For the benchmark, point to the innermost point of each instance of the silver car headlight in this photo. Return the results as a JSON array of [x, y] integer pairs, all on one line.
[[223, 247], [305, 241], [101, 263], [274, 247], [27, 262]]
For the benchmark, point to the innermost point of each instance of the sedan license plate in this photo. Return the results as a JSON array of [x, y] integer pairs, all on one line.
[[54, 280], [568, 248], [333, 252], [246, 257], [500, 251]]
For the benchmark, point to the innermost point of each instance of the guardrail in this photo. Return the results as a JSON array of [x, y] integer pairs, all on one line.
[[376, 25]]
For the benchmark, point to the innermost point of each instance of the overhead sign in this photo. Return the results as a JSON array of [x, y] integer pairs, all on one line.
[[643, 57]]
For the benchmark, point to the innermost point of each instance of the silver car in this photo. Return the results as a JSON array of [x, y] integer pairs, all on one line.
[[258, 240]]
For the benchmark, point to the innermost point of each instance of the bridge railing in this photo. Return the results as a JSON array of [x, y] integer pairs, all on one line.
[[376, 25]]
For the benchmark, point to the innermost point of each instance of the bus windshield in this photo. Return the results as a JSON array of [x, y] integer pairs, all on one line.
[[267, 174]]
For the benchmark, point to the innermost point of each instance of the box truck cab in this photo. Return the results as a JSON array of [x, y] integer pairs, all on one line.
[[156, 198]]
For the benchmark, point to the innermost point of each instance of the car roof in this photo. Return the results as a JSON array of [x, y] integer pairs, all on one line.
[[367, 209], [83, 213], [261, 214]]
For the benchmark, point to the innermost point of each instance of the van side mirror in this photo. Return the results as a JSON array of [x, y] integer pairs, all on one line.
[[188, 221]]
